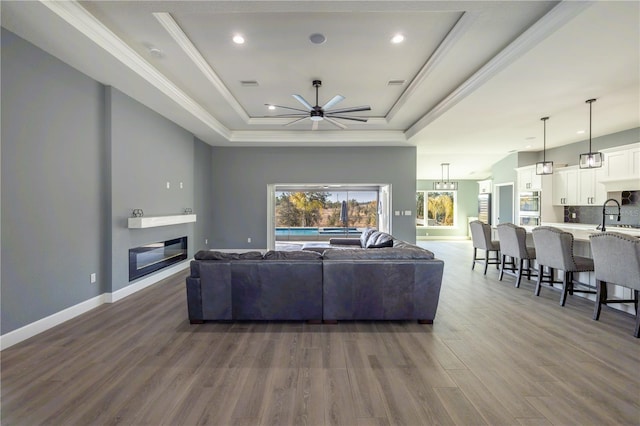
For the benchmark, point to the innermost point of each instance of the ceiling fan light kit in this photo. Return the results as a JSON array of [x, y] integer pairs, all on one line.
[[317, 113]]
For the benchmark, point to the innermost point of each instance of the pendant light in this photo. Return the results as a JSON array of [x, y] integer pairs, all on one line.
[[544, 167], [445, 185], [590, 160]]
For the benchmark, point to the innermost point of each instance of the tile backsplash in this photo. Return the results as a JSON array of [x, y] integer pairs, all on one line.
[[629, 214]]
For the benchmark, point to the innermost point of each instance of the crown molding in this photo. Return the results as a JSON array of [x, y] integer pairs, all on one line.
[[179, 36], [80, 19], [453, 36], [326, 137], [540, 30]]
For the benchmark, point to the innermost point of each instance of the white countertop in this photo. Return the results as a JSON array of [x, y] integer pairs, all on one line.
[[581, 231]]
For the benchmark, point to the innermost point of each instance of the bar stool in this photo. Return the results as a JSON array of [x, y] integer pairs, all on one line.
[[481, 237], [513, 244], [554, 250], [617, 261]]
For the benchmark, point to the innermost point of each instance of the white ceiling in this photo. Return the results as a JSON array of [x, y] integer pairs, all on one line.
[[479, 74]]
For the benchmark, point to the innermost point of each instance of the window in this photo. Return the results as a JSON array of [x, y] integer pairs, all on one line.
[[436, 209]]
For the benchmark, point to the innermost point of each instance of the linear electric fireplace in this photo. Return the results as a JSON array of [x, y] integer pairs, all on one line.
[[149, 258]]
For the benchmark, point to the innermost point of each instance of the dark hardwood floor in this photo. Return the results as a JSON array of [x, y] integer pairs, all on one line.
[[496, 355]]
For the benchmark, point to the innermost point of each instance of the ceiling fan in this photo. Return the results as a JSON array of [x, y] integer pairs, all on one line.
[[319, 113]]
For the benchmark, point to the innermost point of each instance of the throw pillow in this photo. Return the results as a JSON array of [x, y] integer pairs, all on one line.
[[379, 239], [364, 237]]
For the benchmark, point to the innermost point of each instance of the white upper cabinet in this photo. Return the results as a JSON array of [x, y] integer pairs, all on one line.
[[590, 190], [484, 186], [528, 180], [621, 169]]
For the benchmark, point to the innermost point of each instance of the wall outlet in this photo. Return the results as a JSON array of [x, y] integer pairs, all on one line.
[[573, 215], [610, 217], [168, 185], [396, 213], [181, 186], [249, 239], [407, 212], [92, 278], [206, 241]]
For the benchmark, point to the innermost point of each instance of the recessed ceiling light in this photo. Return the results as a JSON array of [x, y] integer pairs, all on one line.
[[580, 132], [155, 52], [238, 39], [398, 38], [271, 107], [317, 38], [528, 146]]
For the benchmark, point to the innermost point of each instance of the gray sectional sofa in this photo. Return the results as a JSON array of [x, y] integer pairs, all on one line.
[[398, 281]]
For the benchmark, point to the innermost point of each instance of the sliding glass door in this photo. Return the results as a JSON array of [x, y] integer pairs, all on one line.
[[320, 212]]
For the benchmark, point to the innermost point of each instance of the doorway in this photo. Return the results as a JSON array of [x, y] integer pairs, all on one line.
[[503, 207]]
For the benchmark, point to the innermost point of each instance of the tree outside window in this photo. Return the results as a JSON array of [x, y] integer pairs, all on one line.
[[439, 207]]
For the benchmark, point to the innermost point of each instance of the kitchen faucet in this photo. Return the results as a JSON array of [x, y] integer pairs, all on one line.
[[604, 212]]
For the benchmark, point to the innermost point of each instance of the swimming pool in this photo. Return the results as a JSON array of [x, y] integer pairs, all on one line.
[[315, 231]]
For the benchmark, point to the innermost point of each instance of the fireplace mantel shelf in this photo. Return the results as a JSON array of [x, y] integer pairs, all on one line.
[[155, 221]]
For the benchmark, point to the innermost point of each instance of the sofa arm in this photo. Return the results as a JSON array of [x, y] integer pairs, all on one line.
[[345, 241]]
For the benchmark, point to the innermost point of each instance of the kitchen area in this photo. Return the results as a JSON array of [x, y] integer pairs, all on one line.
[[581, 201]]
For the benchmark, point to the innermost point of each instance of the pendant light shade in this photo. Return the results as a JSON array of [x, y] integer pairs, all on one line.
[[445, 185], [590, 160], [544, 167]]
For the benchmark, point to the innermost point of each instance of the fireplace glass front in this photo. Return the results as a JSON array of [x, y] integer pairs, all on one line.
[[149, 258]]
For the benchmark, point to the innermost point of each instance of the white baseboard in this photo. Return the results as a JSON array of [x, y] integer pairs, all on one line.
[[44, 324], [145, 282], [37, 327]]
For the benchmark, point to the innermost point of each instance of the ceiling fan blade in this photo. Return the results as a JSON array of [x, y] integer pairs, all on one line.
[[314, 126], [335, 100], [295, 121], [354, 109], [303, 102], [280, 106], [334, 122], [344, 117]]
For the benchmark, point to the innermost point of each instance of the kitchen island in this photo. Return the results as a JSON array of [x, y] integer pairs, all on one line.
[[582, 247]]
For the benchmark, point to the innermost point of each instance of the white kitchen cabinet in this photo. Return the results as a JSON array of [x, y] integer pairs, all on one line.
[[484, 186], [621, 168], [528, 180], [590, 190], [565, 186]]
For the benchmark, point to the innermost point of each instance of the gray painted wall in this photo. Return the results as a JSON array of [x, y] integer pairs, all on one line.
[[202, 199], [467, 206], [147, 151], [76, 158], [569, 154], [53, 206], [240, 178]]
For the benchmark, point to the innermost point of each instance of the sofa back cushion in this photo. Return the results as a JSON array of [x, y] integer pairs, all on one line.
[[218, 255], [292, 255], [379, 239], [382, 254]]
